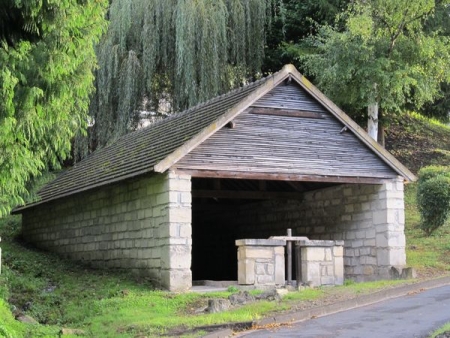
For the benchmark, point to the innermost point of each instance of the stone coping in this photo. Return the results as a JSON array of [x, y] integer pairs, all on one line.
[[290, 238], [260, 242], [319, 243]]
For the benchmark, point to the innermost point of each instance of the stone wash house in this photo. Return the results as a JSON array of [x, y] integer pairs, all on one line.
[[168, 202]]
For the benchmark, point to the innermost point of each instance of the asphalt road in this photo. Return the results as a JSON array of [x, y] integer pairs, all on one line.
[[415, 315]]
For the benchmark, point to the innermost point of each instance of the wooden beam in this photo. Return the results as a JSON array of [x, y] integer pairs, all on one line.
[[287, 112], [282, 177], [246, 194]]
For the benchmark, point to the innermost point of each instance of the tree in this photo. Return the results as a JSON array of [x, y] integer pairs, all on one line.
[[384, 59], [163, 56], [47, 60], [294, 22]]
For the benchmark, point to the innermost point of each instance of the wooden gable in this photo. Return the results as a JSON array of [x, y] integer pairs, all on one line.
[[286, 134]]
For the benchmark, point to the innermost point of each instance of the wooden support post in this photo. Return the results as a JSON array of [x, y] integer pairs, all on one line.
[[289, 257]]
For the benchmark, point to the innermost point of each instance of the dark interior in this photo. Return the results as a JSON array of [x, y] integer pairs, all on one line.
[[217, 216]]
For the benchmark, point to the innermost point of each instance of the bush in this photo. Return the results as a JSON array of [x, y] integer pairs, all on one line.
[[433, 171], [433, 197]]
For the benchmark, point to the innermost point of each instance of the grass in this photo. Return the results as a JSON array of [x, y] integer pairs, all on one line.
[[442, 329]]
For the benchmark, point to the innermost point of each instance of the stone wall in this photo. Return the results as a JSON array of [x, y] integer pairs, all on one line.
[[369, 218], [143, 225]]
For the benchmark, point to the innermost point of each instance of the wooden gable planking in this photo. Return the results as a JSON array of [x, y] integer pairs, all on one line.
[[282, 144]]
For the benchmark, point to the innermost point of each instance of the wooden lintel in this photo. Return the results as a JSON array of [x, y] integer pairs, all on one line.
[[282, 177], [287, 112], [245, 194]]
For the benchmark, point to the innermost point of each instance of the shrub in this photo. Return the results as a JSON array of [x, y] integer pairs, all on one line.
[[433, 171], [433, 197]]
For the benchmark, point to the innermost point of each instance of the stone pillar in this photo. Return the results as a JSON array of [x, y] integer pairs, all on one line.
[[261, 262], [176, 228], [320, 262], [389, 222]]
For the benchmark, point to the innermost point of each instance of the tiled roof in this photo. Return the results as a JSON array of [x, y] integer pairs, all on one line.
[[137, 152]]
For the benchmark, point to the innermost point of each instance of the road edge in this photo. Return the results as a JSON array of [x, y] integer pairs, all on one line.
[[359, 301]]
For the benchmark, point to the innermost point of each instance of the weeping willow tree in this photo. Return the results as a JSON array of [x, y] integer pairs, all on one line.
[[162, 56]]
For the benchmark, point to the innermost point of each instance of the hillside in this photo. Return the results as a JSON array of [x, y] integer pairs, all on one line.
[[418, 142]]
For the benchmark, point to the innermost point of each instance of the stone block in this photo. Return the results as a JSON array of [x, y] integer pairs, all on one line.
[[380, 217], [368, 260], [357, 243], [174, 197], [396, 239], [313, 253], [279, 270], [257, 252], [260, 269], [328, 254], [368, 270], [185, 230], [346, 218], [327, 280], [183, 185], [348, 192], [349, 208], [338, 251], [176, 280], [246, 272], [176, 257], [311, 273], [265, 280], [186, 197], [278, 250], [360, 234], [408, 273], [350, 235], [270, 269], [383, 257], [162, 198], [180, 215]]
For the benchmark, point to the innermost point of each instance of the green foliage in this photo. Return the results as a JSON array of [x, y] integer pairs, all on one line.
[[47, 58], [161, 56], [433, 197], [443, 331], [232, 289], [295, 22], [383, 55]]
